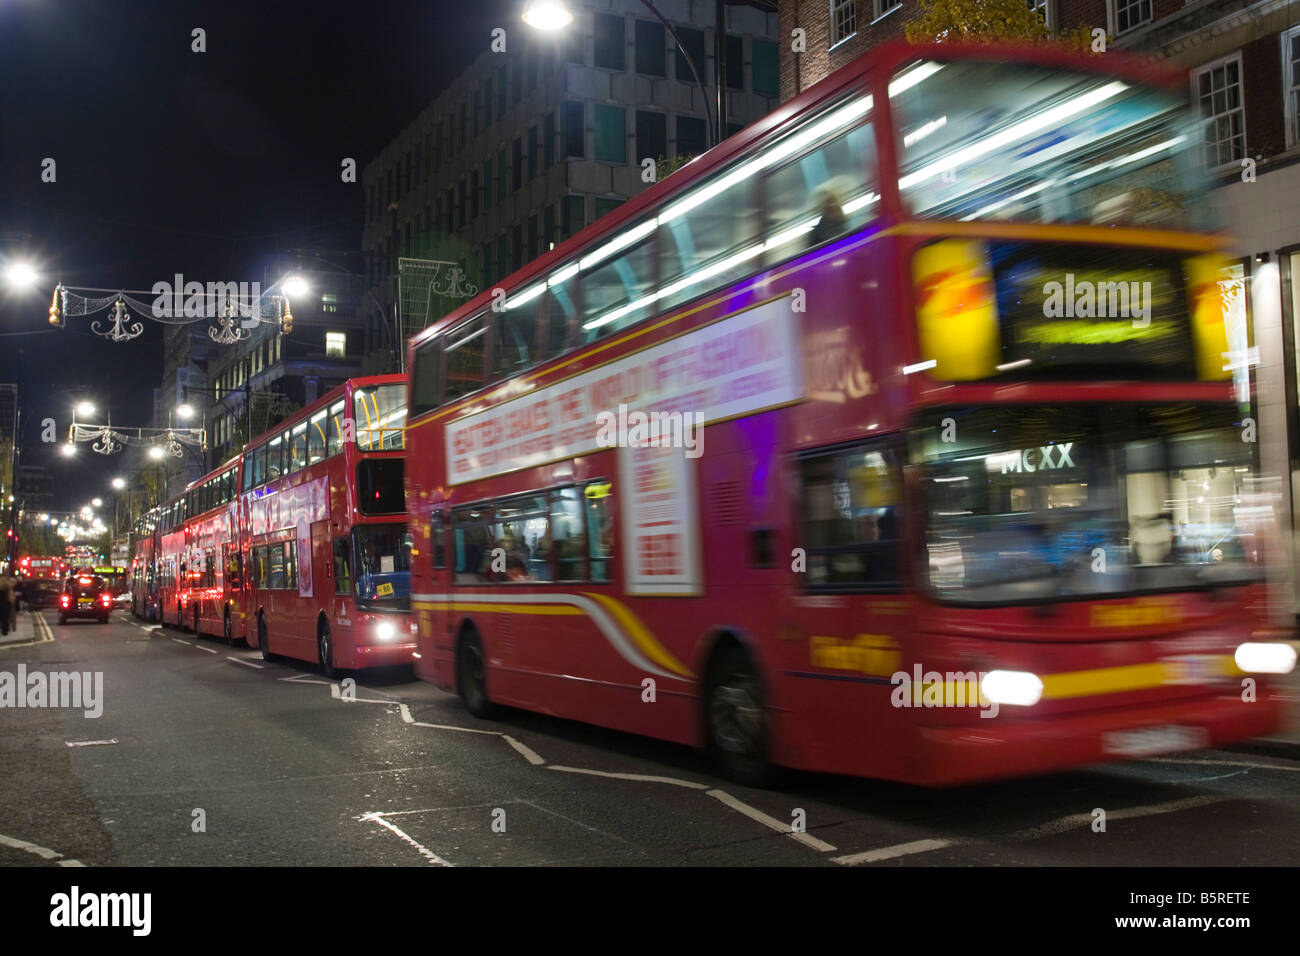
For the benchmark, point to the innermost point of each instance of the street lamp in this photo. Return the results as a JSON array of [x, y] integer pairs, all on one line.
[[156, 452], [185, 411], [295, 286], [20, 275], [119, 484], [547, 15], [68, 450], [85, 408]]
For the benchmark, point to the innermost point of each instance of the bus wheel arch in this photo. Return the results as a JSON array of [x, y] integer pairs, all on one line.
[[735, 707], [471, 671]]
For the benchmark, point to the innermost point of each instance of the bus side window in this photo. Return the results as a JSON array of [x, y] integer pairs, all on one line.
[[334, 433], [474, 545], [600, 529], [342, 566], [568, 540], [436, 533]]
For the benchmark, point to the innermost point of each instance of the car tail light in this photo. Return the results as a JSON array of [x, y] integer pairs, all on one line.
[[64, 599], [106, 599]]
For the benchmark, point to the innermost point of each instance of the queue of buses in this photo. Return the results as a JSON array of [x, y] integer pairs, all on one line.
[[801, 456]]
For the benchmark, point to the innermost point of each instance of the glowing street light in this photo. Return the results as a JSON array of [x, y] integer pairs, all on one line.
[[96, 502], [295, 286], [156, 453], [85, 408], [547, 15], [185, 411], [20, 275], [68, 450], [119, 484]]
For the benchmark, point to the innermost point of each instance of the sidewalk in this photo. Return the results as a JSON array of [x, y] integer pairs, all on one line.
[[26, 633]]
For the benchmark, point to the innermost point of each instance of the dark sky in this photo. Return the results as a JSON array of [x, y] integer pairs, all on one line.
[[200, 163]]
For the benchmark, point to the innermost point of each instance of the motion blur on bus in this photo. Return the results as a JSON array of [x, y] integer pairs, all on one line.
[[905, 434]]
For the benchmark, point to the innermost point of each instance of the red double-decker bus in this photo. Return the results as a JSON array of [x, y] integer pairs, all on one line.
[[144, 582], [199, 548], [804, 457], [322, 528]]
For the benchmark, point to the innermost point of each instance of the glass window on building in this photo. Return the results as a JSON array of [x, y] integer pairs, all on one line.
[[611, 42], [844, 19], [611, 133], [534, 149], [606, 204], [548, 141], [693, 40], [329, 302], [574, 131], [735, 62], [502, 91], [651, 136], [573, 214], [517, 164], [1131, 13], [488, 183], [650, 48], [501, 174], [1218, 91], [336, 344], [766, 68], [691, 136]]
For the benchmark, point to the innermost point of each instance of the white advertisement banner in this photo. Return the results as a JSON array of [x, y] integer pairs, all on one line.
[[739, 365], [661, 528]]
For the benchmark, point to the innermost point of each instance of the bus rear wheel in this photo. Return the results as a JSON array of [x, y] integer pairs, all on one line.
[[735, 718], [471, 676], [263, 644], [325, 651]]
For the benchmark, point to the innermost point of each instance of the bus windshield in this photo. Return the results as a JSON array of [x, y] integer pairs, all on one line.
[[1038, 144], [383, 555], [380, 415], [1031, 504]]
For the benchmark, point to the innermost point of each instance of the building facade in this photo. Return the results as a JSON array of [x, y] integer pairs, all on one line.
[[534, 142]]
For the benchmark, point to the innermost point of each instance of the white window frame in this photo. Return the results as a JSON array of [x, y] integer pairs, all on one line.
[[1112, 14], [1290, 86], [336, 340], [879, 14], [1049, 12], [1195, 75], [835, 7]]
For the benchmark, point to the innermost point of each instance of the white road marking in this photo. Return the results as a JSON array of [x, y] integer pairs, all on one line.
[[1083, 820], [892, 852], [529, 754], [71, 863], [464, 730], [754, 813], [303, 679], [338, 695], [240, 660], [406, 714], [424, 851], [91, 743], [43, 852], [179, 641], [208, 649], [1227, 763], [637, 777]]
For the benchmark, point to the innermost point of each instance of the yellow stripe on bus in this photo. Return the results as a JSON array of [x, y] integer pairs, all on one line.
[[641, 636], [499, 608], [1117, 680]]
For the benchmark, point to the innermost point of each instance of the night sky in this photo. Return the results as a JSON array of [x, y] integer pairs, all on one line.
[[200, 163]]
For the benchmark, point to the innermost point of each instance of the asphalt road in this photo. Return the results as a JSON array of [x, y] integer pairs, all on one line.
[[279, 769]]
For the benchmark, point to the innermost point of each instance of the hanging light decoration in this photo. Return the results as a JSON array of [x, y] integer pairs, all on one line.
[[123, 330]]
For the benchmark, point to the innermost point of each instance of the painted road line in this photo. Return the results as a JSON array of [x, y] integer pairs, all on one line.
[[895, 851], [406, 714], [635, 777], [240, 660], [179, 641], [1084, 820], [529, 754], [91, 743], [208, 649], [1227, 763], [71, 863], [821, 846], [424, 851], [303, 679], [43, 852], [464, 730], [338, 695]]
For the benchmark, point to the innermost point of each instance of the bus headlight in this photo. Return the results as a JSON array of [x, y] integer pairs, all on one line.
[[1012, 687], [1259, 658]]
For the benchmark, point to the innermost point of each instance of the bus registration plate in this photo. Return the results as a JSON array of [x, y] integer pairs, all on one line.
[[1148, 741]]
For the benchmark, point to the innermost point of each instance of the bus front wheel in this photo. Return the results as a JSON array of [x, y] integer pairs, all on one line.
[[471, 676], [735, 717]]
